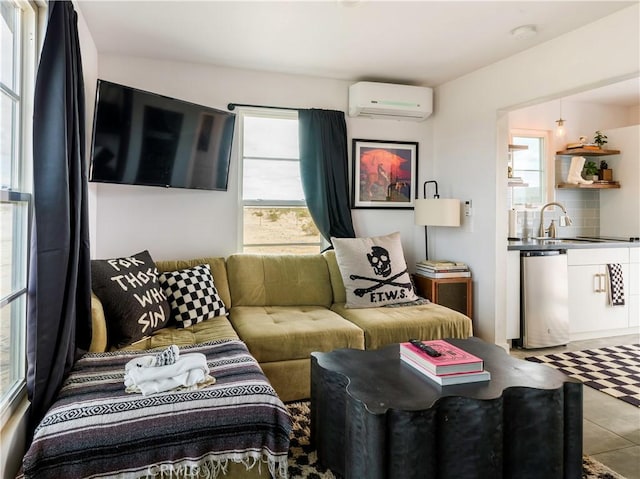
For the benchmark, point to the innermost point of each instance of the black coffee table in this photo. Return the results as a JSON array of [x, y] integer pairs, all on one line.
[[372, 416]]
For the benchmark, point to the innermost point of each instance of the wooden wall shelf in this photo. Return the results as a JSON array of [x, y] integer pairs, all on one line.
[[587, 152], [593, 186], [513, 147]]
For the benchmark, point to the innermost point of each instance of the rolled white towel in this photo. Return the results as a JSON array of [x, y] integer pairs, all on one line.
[[186, 380], [140, 362], [165, 357], [188, 371]]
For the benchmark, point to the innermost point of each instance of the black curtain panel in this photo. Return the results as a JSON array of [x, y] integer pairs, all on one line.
[[59, 311], [324, 171]]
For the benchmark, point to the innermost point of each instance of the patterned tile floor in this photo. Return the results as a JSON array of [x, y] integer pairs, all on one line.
[[611, 426]]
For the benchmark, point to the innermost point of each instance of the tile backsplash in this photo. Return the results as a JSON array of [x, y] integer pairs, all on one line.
[[583, 207]]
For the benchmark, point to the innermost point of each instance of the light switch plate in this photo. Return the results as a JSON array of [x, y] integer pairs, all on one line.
[[467, 208]]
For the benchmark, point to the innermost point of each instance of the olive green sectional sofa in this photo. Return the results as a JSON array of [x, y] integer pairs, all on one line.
[[284, 307]]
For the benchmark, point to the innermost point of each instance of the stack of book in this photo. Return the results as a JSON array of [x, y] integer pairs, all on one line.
[[453, 366], [438, 269], [586, 146]]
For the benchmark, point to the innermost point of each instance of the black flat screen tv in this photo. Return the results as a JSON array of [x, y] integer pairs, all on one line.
[[141, 138]]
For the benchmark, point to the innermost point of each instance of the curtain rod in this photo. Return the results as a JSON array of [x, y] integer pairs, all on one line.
[[232, 106]]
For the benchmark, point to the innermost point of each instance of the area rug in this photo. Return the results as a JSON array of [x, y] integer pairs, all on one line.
[[614, 370], [303, 460]]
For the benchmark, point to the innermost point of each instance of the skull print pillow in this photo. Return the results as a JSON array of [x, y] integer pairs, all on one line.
[[374, 271]]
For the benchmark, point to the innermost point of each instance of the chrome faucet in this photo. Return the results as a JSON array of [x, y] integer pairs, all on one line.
[[564, 221]]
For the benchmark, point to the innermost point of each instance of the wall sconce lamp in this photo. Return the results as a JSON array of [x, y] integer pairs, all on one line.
[[435, 212]]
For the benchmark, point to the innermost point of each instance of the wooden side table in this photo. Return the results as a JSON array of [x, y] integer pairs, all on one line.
[[454, 293]]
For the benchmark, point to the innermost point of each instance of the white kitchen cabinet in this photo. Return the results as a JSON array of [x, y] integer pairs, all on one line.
[[589, 308], [634, 287], [513, 294]]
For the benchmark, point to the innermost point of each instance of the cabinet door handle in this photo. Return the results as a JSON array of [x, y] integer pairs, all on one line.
[[601, 285]]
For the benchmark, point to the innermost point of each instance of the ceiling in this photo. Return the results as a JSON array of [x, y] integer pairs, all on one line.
[[624, 93], [416, 42]]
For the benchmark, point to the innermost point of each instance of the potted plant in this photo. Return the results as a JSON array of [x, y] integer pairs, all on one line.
[[600, 139], [605, 173], [591, 171]]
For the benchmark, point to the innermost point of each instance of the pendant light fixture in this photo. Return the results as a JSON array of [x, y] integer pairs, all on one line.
[[560, 131]]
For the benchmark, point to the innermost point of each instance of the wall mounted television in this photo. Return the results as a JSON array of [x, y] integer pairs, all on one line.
[[141, 138]]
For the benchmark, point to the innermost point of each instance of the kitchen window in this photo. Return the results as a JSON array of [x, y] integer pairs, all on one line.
[[275, 217], [17, 72], [534, 165]]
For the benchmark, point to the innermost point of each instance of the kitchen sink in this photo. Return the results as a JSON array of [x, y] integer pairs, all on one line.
[[566, 240]]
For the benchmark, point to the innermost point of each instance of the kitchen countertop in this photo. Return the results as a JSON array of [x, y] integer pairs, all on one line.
[[571, 243]]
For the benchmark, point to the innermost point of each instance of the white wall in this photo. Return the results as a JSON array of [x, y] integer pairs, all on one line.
[[634, 115], [89, 54], [467, 136], [183, 223], [620, 209]]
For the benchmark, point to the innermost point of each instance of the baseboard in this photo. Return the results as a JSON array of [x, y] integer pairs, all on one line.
[[602, 334]]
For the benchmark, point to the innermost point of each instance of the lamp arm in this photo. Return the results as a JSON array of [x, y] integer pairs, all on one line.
[[425, 189]]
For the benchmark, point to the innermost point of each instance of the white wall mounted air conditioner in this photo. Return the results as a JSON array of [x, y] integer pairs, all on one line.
[[390, 101]]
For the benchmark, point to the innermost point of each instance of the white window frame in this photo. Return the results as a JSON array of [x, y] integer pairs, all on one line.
[[264, 113], [20, 189], [548, 164]]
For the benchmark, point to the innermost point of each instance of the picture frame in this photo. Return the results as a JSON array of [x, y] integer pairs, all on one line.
[[384, 174]]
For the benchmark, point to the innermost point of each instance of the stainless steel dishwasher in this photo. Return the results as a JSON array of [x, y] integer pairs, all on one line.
[[544, 295]]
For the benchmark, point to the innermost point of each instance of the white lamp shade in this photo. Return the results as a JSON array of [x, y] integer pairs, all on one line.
[[437, 212]]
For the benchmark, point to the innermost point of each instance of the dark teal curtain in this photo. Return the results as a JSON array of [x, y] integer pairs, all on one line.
[[59, 311], [324, 171]]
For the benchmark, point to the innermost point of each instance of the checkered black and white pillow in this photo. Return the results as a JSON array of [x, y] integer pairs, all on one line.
[[192, 296]]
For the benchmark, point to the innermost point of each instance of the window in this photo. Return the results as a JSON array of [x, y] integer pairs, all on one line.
[[17, 69], [275, 217], [534, 166]]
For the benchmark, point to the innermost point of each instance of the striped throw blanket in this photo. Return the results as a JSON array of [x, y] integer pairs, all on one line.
[[95, 429]]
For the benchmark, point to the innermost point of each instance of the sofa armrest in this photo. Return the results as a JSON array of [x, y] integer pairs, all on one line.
[[98, 325]]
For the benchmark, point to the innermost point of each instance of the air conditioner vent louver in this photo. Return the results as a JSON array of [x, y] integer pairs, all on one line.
[[390, 101]]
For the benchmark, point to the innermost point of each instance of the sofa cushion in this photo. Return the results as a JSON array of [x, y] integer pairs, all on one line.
[[276, 333], [279, 280], [99, 335], [374, 271], [384, 326], [133, 302], [290, 379], [198, 333], [337, 285], [192, 295]]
